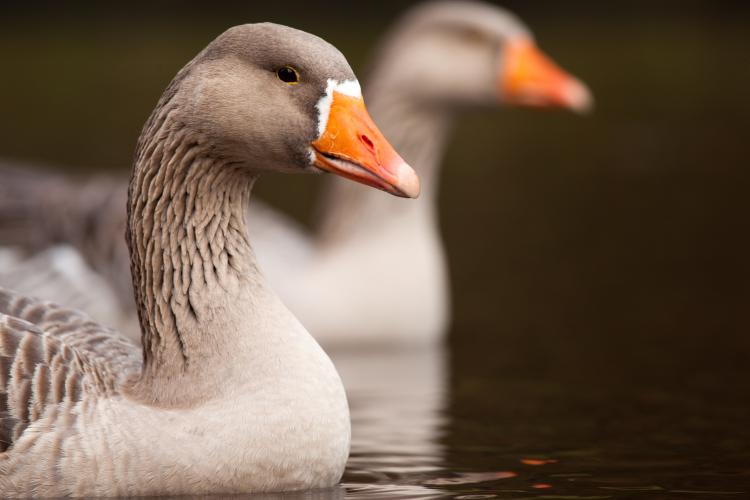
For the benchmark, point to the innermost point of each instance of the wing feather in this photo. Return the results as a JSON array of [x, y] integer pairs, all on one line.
[[50, 355]]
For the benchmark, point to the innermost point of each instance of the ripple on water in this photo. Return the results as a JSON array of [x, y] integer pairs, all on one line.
[[518, 438]]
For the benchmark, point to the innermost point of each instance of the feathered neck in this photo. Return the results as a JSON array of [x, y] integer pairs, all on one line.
[[191, 261]]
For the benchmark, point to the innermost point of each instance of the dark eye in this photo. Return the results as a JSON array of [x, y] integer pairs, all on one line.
[[472, 35], [288, 75]]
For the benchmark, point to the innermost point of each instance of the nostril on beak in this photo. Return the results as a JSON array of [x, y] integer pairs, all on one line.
[[370, 145], [367, 142]]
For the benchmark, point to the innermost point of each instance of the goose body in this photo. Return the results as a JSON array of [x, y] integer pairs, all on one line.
[[88, 433], [229, 393], [352, 282], [440, 58]]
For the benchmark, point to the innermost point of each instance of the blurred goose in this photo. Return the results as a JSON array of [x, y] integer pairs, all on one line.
[[63, 240], [231, 394], [441, 58]]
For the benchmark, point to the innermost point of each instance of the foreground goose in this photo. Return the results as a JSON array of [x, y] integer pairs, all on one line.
[[441, 58], [231, 393]]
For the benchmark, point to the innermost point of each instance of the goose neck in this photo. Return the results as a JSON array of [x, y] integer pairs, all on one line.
[[416, 129], [193, 269]]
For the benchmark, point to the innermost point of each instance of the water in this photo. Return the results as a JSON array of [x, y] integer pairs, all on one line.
[[527, 435]]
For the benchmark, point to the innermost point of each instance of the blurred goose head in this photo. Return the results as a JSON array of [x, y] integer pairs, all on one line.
[[464, 53], [278, 99]]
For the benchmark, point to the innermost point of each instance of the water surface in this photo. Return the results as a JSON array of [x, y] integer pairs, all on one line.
[[586, 433]]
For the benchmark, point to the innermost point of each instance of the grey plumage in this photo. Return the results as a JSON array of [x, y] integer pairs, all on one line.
[[49, 357], [40, 209]]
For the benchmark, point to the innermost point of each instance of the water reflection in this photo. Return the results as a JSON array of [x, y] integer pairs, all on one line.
[[397, 400], [420, 431], [334, 493]]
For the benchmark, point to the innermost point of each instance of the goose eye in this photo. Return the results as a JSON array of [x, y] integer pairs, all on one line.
[[473, 35], [287, 74]]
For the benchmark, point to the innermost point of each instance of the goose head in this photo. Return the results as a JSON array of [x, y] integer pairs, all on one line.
[[464, 53], [274, 98]]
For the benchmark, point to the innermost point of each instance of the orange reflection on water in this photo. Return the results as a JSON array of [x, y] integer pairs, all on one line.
[[538, 461]]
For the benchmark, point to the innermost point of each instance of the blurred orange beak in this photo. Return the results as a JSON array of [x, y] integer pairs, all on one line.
[[353, 147], [531, 78]]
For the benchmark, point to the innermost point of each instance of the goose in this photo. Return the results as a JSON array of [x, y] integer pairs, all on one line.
[[230, 393], [439, 59], [63, 239]]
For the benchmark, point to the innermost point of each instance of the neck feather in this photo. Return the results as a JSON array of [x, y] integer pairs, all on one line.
[[416, 128], [190, 257]]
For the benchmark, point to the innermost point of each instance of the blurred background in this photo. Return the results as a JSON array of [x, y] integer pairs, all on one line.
[[600, 264]]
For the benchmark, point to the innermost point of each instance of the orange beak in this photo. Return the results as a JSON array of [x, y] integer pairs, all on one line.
[[530, 78], [352, 146]]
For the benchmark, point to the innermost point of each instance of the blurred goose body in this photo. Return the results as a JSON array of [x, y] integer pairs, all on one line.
[[388, 284], [230, 394]]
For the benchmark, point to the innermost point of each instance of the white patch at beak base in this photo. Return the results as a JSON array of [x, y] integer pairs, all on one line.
[[346, 87]]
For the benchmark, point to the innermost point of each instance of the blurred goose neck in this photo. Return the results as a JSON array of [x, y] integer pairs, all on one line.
[[192, 265], [418, 131]]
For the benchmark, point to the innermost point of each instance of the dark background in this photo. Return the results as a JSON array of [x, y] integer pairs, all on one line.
[[607, 252]]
